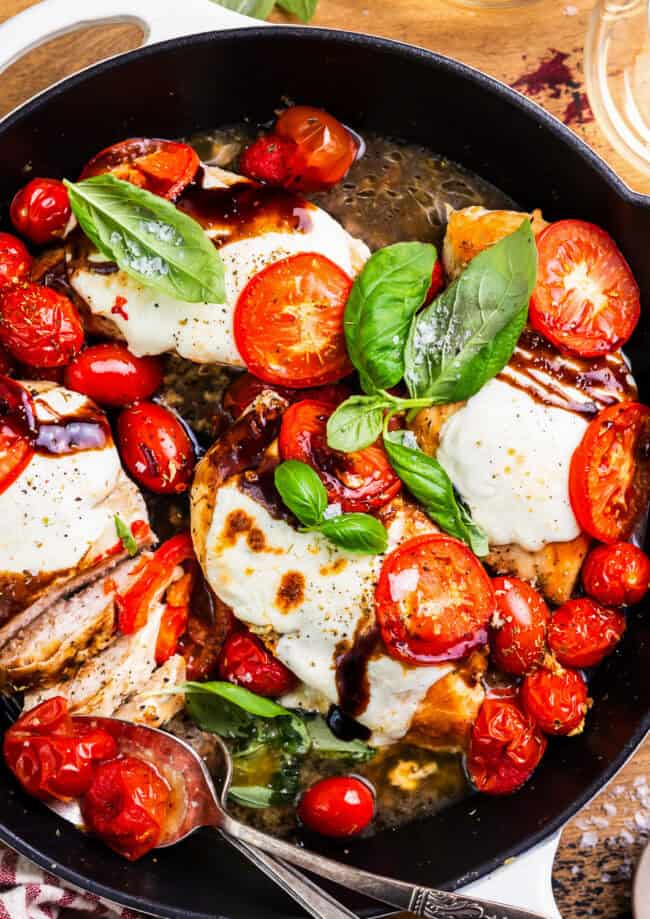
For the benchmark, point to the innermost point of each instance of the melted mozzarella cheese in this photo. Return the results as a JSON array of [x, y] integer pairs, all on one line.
[[509, 458], [203, 332], [310, 598], [56, 509]]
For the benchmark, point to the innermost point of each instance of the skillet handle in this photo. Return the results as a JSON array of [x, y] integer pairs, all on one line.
[[159, 20]]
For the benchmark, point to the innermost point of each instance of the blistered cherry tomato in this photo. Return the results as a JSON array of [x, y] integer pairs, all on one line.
[[245, 661], [155, 448], [39, 326], [51, 755], [556, 699], [358, 481], [6, 363], [163, 167], [246, 388], [15, 260], [518, 634], [325, 147], [581, 632], [289, 322], [134, 604], [586, 299], [110, 375], [437, 282], [609, 476], [433, 600], [271, 159], [127, 805], [339, 806], [41, 210], [505, 747], [617, 575]]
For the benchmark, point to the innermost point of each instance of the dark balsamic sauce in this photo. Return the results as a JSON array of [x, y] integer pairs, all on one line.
[[352, 672]]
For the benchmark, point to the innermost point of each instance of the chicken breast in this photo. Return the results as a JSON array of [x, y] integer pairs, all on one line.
[[152, 710]]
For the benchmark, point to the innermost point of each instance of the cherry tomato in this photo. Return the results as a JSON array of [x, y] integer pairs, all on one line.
[[246, 388], [155, 448], [39, 326], [586, 299], [271, 159], [505, 748], [133, 606], [358, 481], [15, 260], [51, 755], [244, 660], [110, 375], [581, 633], [437, 282], [433, 600], [519, 639], [339, 806], [617, 575], [163, 167], [289, 322], [127, 806], [326, 148], [41, 210], [556, 699], [609, 477], [17, 429], [6, 363]]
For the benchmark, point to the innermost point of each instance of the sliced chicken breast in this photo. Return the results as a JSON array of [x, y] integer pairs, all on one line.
[[153, 710]]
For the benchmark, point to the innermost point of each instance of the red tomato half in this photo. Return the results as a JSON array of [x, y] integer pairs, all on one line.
[[581, 633], [326, 149], [518, 636], [289, 322], [155, 448], [163, 167], [505, 748], [359, 481], [617, 575], [433, 600], [586, 299], [110, 375], [246, 388], [40, 211], [339, 806], [244, 660], [17, 429], [39, 326], [556, 699], [271, 159], [609, 478], [15, 260], [127, 806], [437, 282]]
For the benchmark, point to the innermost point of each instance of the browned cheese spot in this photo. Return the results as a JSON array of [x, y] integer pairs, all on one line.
[[291, 592], [334, 567]]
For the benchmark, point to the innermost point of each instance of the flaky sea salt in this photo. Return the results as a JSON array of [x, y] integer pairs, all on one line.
[[610, 809], [589, 840]]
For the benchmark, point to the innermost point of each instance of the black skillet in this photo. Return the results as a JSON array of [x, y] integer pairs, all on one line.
[[197, 83]]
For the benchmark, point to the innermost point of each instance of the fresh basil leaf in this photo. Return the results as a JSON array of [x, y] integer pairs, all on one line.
[[149, 238], [282, 789], [384, 298], [469, 332], [356, 423], [431, 486], [126, 536], [360, 533], [302, 491], [325, 743], [303, 9], [243, 698], [258, 9], [257, 796]]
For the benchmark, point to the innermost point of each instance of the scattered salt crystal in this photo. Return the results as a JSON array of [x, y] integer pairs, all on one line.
[[610, 809], [589, 840], [640, 780], [642, 820], [600, 822], [410, 440], [626, 837], [332, 510], [570, 10], [583, 824], [619, 790]]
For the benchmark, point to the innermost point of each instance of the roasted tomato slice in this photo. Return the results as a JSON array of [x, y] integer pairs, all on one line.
[[164, 167], [433, 600], [586, 299], [505, 748], [246, 661], [518, 636], [617, 575], [289, 322], [326, 149], [358, 481], [582, 632], [17, 429], [609, 478]]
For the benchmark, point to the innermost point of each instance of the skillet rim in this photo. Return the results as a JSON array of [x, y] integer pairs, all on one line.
[[550, 123]]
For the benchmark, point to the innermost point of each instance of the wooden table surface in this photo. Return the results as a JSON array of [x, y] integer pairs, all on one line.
[[537, 49]]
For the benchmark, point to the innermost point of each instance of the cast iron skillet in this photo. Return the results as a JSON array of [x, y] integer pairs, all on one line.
[[195, 83]]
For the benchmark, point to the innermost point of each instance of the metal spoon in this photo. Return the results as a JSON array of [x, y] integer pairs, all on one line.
[[198, 805]]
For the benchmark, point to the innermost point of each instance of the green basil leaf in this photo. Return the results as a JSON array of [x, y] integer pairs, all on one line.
[[302, 491], [360, 533], [258, 9], [469, 332], [356, 423], [303, 9], [384, 298], [431, 486], [149, 238], [257, 796], [325, 743], [126, 536], [282, 789], [243, 698]]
